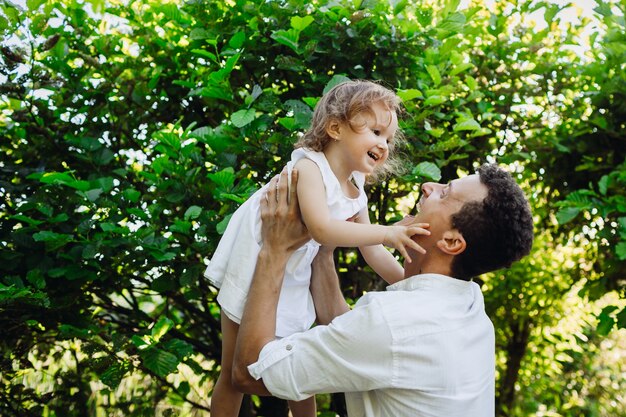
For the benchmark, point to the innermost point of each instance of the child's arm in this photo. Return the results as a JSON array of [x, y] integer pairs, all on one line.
[[326, 231], [380, 259]]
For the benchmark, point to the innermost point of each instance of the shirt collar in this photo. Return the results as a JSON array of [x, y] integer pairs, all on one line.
[[431, 281]]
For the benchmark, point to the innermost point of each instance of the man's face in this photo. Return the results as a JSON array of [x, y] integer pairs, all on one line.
[[440, 201]]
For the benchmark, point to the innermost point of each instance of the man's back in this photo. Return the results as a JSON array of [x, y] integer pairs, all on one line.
[[443, 348], [423, 348]]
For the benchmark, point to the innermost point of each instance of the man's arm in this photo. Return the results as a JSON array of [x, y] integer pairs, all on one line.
[[283, 232], [327, 297]]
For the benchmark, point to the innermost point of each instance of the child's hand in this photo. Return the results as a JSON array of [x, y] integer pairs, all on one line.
[[399, 237]]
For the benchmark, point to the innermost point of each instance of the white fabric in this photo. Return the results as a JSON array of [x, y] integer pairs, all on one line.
[[424, 348], [234, 260]]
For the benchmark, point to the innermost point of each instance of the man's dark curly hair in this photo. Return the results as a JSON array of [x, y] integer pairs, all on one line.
[[498, 230]]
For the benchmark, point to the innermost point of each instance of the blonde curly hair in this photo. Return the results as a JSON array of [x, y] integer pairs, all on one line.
[[343, 103]]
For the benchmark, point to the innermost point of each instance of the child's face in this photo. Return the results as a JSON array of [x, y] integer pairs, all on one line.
[[367, 147]]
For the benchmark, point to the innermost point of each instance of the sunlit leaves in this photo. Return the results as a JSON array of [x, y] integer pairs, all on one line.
[[159, 361], [427, 171], [189, 108], [242, 118], [291, 36]]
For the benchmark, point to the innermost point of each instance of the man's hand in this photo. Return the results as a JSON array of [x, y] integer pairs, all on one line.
[[282, 228], [282, 232]]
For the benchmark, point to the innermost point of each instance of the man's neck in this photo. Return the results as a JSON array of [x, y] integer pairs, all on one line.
[[422, 266]]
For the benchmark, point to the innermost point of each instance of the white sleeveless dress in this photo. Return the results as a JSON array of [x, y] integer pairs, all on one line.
[[234, 260]]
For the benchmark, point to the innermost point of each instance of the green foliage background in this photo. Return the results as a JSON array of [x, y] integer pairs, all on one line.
[[130, 131]]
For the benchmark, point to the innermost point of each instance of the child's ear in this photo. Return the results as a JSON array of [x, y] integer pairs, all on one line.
[[333, 129], [452, 243]]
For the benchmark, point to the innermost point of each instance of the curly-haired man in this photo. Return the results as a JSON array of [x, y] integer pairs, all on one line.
[[424, 347]]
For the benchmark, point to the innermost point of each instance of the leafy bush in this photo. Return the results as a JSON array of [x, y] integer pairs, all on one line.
[[132, 131]]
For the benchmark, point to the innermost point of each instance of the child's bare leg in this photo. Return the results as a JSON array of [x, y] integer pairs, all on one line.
[[226, 400], [304, 408]]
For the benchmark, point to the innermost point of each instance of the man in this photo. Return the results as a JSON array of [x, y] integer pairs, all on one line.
[[424, 347]]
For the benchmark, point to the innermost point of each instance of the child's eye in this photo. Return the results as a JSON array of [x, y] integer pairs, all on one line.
[[376, 132]]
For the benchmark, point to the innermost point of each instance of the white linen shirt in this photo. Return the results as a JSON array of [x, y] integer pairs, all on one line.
[[423, 348]]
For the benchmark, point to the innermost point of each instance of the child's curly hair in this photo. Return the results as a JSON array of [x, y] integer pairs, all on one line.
[[343, 103]]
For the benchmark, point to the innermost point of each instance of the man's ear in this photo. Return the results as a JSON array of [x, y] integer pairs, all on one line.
[[452, 243], [333, 129]]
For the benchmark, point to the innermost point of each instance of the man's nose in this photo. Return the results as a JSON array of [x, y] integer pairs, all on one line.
[[427, 188]]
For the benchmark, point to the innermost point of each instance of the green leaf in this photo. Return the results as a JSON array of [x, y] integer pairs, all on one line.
[[180, 348], [159, 361], [162, 256], [48, 236], [256, 92], [64, 178], [192, 212], [460, 68], [68, 331], [471, 83], [302, 113], [436, 132], [468, 124], [452, 23], [113, 375], [161, 327], [337, 79], [221, 226], [92, 195], [199, 34], [181, 227], [35, 277], [600, 121], [237, 40], [204, 54], [408, 95], [567, 214], [184, 388], [33, 5], [300, 23], [606, 320], [287, 37], [433, 71], [139, 341], [425, 17], [435, 100], [171, 11], [242, 118], [26, 219], [224, 178], [620, 250], [603, 184], [131, 195], [103, 156], [427, 170], [288, 123], [215, 91]]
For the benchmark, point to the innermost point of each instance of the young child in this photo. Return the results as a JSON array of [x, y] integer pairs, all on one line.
[[351, 136]]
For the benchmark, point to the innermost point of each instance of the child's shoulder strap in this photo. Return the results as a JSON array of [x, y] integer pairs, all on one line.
[[318, 157]]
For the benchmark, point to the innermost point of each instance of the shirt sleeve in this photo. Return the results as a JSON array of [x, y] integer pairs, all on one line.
[[353, 353]]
